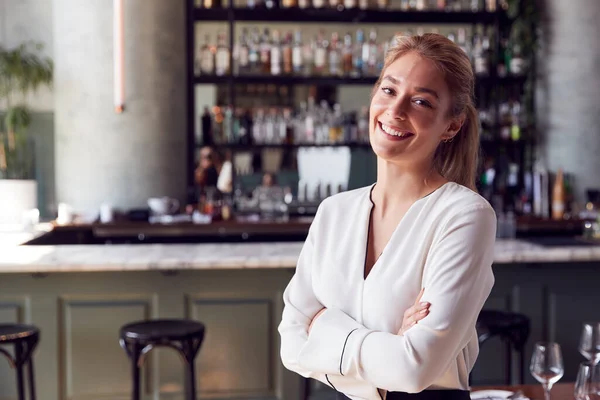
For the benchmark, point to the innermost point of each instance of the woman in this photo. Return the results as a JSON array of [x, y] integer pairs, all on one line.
[[421, 227]]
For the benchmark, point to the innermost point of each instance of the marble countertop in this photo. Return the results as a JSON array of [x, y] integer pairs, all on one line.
[[140, 257]]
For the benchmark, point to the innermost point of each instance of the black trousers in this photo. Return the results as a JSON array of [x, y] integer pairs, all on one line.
[[452, 394]]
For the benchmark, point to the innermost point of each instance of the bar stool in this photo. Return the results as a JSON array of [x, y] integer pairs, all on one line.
[[139, 338], [25, 339], [513, 329]]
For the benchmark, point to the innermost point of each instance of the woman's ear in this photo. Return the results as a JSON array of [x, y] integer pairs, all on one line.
[[454, 126]]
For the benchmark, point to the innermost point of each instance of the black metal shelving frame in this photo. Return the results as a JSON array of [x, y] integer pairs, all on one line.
[[232, 15]]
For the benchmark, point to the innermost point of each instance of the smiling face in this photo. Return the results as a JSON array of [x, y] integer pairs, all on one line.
[[410, 112]]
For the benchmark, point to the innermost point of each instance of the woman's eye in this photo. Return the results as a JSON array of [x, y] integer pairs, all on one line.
[[423, 103], [387, 91]]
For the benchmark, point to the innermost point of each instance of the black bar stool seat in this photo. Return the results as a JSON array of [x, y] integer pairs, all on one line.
[[513, 328], [24, 338], [185, 336]]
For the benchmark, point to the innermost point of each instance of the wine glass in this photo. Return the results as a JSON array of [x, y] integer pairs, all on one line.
[[587, 385], [589, 344], [582, 382], [547, 365]]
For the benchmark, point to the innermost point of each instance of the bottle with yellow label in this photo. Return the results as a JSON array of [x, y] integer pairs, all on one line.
[[558, 196]]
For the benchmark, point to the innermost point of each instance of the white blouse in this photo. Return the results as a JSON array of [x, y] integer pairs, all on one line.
[[444, 243]]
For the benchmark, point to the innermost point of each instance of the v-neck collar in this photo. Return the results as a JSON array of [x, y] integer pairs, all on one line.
[[371, 205]]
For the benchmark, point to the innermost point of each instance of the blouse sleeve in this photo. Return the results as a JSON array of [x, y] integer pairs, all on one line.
[[300, 306], [458, 279]]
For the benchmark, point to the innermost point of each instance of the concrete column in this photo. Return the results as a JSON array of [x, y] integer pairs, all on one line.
[[569, 88], [120, 158]]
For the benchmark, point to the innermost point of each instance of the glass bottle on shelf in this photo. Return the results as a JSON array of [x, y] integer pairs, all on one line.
[[303, 3], [335, 3], [490, 5], [218, 125], [358, 54], [336, 127], [309, 50], [349, 4], [347, 59], [222, 56], [288, 3], [320, 54], [243, 55], [440, 5], [287, 54], [310, 122], [297, 52], [269, 126], [475, 5], [276, 58], [258, 125], [366, 50], [318, 3], [404, 5], [383, 4], [461, 40], [517, 62], [254, 52], [335, 56], [363, 125], [265, 52], [228, 125], [421, 5], [372, 60], [207, 57]]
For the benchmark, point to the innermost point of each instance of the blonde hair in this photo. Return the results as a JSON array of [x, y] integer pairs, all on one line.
[[457, 159]]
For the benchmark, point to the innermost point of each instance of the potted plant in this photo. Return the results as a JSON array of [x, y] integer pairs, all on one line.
[[22, 71]]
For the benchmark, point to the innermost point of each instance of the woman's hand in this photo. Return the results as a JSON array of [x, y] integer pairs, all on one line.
[[315, 318], [414, 314]]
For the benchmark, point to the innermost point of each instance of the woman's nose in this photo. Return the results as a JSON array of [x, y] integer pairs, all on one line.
[[398, 109]]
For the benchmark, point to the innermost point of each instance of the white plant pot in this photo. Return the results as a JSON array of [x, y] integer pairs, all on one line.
[[16, 198]]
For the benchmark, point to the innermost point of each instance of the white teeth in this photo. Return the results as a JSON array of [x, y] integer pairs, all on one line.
[[393, 132]]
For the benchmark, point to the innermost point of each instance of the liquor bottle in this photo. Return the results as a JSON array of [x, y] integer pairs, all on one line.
[[288, 3], [358, 54], [335, 56], [228, 125], [243, 53], [490, 5], [517, 62], [303, 3], [420, 5], [308, 55], [287, 54], [372, 60], [337, 4], [222, 56], [276, 58], [349, 4], [297, 52], [404, 5], [254, 52], [265, 52], [320, 54], [558, 196], [207, 57], [366, 50], [363, 4], [461, 40], [363, 125], [347, 59], [207, 128], [336, 128], [318, 3], [218, 133]]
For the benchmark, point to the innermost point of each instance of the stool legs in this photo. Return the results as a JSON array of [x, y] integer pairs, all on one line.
[[19, 368], [190, 378], [31, 380], [135, 371]]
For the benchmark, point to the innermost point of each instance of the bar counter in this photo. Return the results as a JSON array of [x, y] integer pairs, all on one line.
[[80, 295]]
